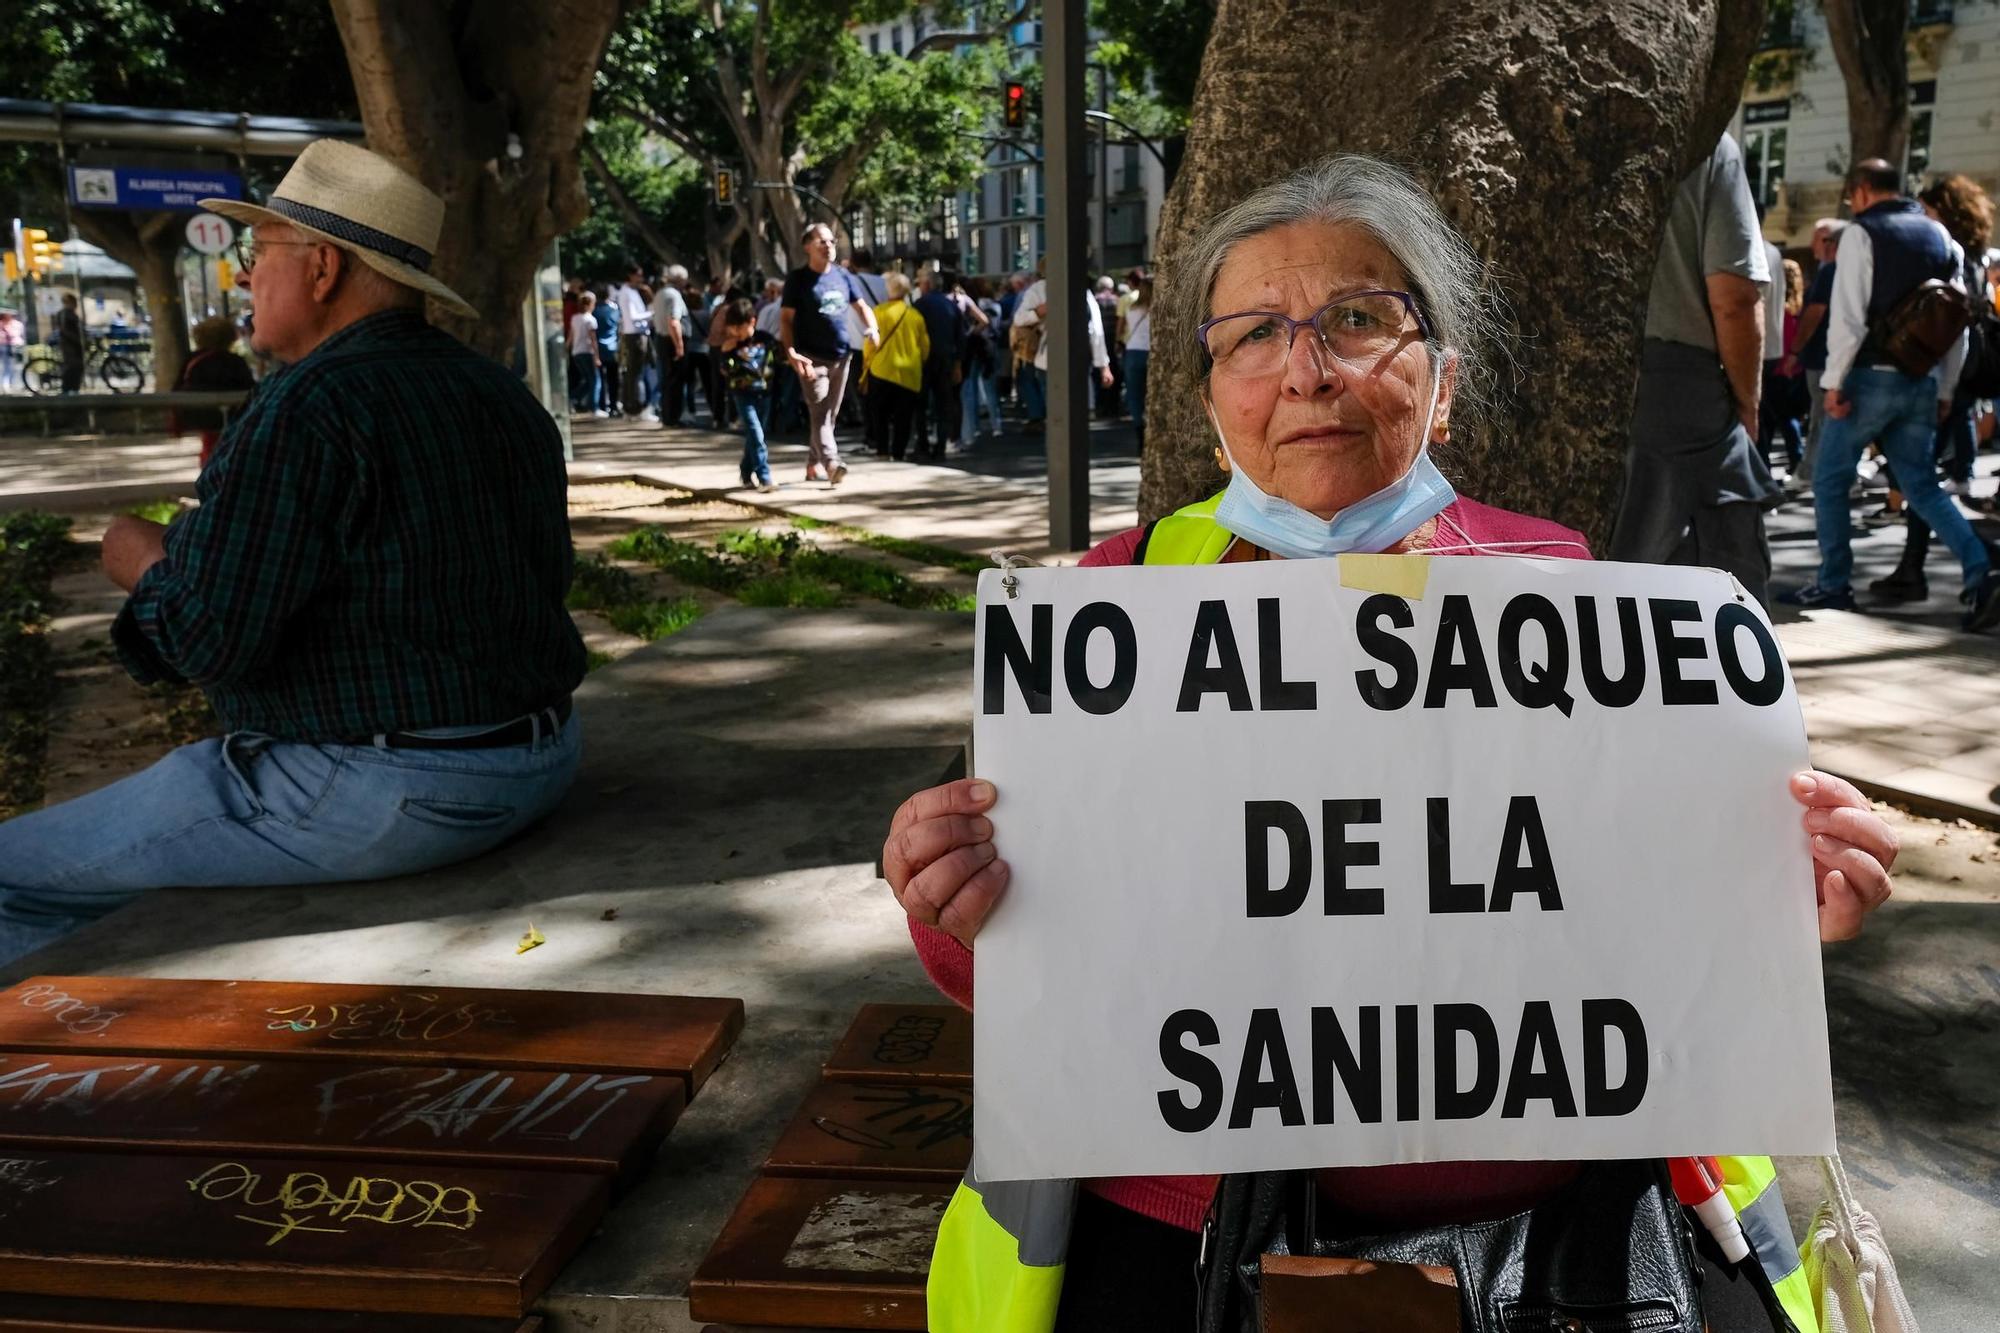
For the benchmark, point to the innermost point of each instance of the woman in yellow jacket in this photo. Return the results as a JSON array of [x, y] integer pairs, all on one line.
[[894, 366]]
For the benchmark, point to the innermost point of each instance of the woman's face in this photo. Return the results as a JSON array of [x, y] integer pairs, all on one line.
[[1320, 433]]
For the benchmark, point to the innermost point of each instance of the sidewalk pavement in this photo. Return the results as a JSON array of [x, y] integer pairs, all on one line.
[[1897, 700]]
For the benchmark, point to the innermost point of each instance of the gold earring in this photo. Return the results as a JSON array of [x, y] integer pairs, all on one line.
[[1444, 431], [1221, 459]]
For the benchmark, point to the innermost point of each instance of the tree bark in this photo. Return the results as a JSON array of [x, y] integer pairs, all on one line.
[[1870, 44], [150, 245], [441, 89], [1552, 133]]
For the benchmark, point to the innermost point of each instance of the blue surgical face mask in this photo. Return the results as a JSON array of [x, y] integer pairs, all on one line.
[[1373, 523]]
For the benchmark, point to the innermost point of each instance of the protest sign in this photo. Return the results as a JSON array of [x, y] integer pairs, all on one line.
[[1390, 859]]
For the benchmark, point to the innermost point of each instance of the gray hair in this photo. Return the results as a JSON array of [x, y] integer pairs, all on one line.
[[1447, 279], [677, 273]]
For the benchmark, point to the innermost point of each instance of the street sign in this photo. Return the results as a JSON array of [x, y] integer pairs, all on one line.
[[170, 188], [209, 234]]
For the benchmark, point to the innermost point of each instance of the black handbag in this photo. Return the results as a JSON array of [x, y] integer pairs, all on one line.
[[1612, 1252]]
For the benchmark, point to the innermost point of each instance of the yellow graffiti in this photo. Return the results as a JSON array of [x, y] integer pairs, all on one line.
[[307, 1196], [414, 1016]]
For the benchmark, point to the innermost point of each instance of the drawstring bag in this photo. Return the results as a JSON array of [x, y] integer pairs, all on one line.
[[1847, 1264]]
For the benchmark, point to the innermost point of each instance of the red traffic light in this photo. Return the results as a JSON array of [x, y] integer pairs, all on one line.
[[1017, 105]]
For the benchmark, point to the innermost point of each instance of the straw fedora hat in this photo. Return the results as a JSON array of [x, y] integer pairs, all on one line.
[[363, 203]]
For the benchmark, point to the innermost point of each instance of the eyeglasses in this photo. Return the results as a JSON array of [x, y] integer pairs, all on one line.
[[250, 251], [1358, 329]]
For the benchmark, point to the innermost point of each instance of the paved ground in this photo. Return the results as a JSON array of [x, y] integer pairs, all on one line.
[[739, 774]]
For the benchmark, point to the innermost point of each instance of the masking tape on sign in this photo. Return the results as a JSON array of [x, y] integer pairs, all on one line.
[[1398, 575]]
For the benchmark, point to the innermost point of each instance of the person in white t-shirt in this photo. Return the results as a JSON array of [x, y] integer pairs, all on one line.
[[635, 339], [583, 357], [1034, 312]]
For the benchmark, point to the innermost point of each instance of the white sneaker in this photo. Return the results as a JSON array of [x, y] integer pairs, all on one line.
[[649, 415], [601, 414], [1953, 486]]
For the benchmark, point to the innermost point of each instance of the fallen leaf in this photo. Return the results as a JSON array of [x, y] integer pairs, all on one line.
[[532, 939], [610, 914], [732, 852]]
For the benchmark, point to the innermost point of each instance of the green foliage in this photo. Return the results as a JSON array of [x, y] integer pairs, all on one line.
[[156, 511], [906, 124], [781, 569], [623, 600], [655, 619], [1153, 49], [32, 548], [669, 190], [593, 659]]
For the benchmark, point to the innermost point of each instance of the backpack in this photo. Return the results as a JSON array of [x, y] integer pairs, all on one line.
[[1981, 376], [1924, 326]]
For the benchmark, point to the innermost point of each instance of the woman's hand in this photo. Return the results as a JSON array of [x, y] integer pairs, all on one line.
[[940, 861], [1852, 852]]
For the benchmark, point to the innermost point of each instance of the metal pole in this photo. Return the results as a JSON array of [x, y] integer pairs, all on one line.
[[1103, 179], [1063, 149]]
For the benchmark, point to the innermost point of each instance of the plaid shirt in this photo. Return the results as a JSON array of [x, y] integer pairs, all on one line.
[[382, 545]]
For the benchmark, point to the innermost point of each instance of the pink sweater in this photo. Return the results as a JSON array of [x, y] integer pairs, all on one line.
[[1384, 1197]]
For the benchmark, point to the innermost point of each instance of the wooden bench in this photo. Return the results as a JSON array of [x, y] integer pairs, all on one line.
[[139, 407]]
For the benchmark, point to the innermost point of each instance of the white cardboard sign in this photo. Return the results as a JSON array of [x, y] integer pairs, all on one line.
[[1390, 859]]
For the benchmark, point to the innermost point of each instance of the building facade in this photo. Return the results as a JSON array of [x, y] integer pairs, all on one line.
[[1792, 122]]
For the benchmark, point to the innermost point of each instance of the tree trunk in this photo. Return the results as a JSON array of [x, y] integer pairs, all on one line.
[[442, 88], [635, 217], [150, 245], [1552, 133], [1870, 43]]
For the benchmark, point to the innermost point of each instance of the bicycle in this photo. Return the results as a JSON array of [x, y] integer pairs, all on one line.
[[103, 362]]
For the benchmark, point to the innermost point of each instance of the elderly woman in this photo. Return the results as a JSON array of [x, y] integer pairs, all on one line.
[[894, 366], [1344, 328]]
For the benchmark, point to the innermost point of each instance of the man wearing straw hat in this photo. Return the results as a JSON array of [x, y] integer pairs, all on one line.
[[370, 594]]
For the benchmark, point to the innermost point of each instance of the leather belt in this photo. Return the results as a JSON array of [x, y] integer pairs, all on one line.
[[521, 731]]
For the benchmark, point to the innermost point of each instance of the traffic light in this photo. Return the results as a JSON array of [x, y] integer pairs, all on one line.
[[11, 265], [725, 186], [39, 255], [1016, 107]]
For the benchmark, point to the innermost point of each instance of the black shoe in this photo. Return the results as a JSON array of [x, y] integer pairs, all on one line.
[[1815, 598], [1905, 585], [1985, 600]]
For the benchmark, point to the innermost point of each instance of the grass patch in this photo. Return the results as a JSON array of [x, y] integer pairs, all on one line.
[[655, 619], [593, 659], [621, 597], [157, 511], [32, 548], [782, 569]]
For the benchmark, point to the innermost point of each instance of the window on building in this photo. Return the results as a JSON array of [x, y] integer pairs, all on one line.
[[1929, 11], [874, 43], [1923, 96], [1129, 179], [918, 27], [1764, 149], [951, 219], [896, 38]]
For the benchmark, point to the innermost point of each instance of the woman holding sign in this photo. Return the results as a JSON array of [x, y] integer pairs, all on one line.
[[1343, 326]]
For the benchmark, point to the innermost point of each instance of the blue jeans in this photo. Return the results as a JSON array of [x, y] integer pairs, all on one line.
[[1033, 401], [1135, 385], [247, 810], [1899, 413], [978, 387], [755, 407]]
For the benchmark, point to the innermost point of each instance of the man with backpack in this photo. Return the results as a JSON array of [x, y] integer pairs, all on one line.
[[1895, 347]]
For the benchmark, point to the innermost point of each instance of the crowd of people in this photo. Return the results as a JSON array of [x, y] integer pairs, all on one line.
[[1888, 346], [921, 364]]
